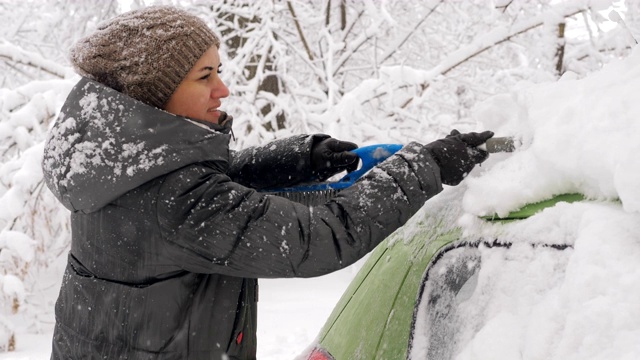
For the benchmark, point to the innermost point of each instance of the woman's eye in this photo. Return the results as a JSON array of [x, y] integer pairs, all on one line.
[[205, 77], [219, 69]]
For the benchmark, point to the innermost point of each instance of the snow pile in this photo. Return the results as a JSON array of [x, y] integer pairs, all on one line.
[[578, 136], [528, 302]]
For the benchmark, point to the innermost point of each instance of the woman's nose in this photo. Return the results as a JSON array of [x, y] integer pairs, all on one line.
[[219, 90]]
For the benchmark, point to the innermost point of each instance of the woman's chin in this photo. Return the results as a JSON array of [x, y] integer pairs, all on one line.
[[209, 116], [213, 116]]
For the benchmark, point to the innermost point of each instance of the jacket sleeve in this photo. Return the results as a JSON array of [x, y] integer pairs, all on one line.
[[218, 226], [280, 163]]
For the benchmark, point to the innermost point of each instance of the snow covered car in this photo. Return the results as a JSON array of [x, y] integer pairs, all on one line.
[[534, 256], [380, 317]]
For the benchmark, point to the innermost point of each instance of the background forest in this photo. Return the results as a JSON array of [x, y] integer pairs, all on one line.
[[366, 71]]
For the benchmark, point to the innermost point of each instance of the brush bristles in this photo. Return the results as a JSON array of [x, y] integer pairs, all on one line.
[[308, 198]]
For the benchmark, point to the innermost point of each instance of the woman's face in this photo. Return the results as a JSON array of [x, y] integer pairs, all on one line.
[[198, 95]]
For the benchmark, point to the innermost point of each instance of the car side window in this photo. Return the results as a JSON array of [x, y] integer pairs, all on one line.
[[477, 300]]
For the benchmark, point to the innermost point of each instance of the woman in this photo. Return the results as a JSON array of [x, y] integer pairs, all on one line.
[[168, 232]]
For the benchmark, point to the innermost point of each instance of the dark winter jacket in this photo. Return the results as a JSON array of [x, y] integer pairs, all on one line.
[[170, 235]]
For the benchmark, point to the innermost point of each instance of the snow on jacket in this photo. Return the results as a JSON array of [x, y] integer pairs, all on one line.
[[169, 234]]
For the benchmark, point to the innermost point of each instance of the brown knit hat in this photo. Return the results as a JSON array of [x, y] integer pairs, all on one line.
[[144, 53]]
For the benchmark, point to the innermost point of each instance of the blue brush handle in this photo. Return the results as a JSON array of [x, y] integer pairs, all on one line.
[[370, 156]]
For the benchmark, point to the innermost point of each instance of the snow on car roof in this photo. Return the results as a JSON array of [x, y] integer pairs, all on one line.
[[578, 136]]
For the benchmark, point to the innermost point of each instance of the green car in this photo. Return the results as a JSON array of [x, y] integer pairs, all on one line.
[[407, 300]]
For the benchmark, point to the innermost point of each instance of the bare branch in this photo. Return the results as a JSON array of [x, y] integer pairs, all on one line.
[[359, 42], [343, 14], [560, 50], [299, 28], [408, 35], [346, 33], [319, 75], [327, 19], [504, 7]]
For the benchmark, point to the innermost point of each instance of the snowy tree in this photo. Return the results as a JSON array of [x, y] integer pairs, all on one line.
[[402, 70], [34, 231], [35, 36], [306, 66]]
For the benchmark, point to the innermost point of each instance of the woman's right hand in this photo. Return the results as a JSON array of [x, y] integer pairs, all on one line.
[[457, 154]]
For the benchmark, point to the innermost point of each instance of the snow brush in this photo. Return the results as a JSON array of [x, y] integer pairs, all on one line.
[[320, 192]]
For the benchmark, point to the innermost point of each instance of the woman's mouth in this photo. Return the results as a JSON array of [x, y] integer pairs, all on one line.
[[216, 113], [220, 116]]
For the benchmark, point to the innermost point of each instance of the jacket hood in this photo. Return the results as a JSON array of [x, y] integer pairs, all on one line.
[[105, 143]]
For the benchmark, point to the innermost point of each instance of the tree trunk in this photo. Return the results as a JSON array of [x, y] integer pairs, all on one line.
[[560, 50]]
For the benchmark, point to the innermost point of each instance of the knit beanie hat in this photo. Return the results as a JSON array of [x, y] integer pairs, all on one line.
[[144, 53]]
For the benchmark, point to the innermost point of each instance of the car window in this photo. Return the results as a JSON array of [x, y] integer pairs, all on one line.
[[479, 300]]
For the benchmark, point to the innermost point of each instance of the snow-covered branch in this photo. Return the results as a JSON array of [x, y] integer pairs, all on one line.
[[502, 34], [13, 53], [486, 41]]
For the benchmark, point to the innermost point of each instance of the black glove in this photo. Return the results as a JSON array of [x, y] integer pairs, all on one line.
[[457, 154], [330, 156]]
